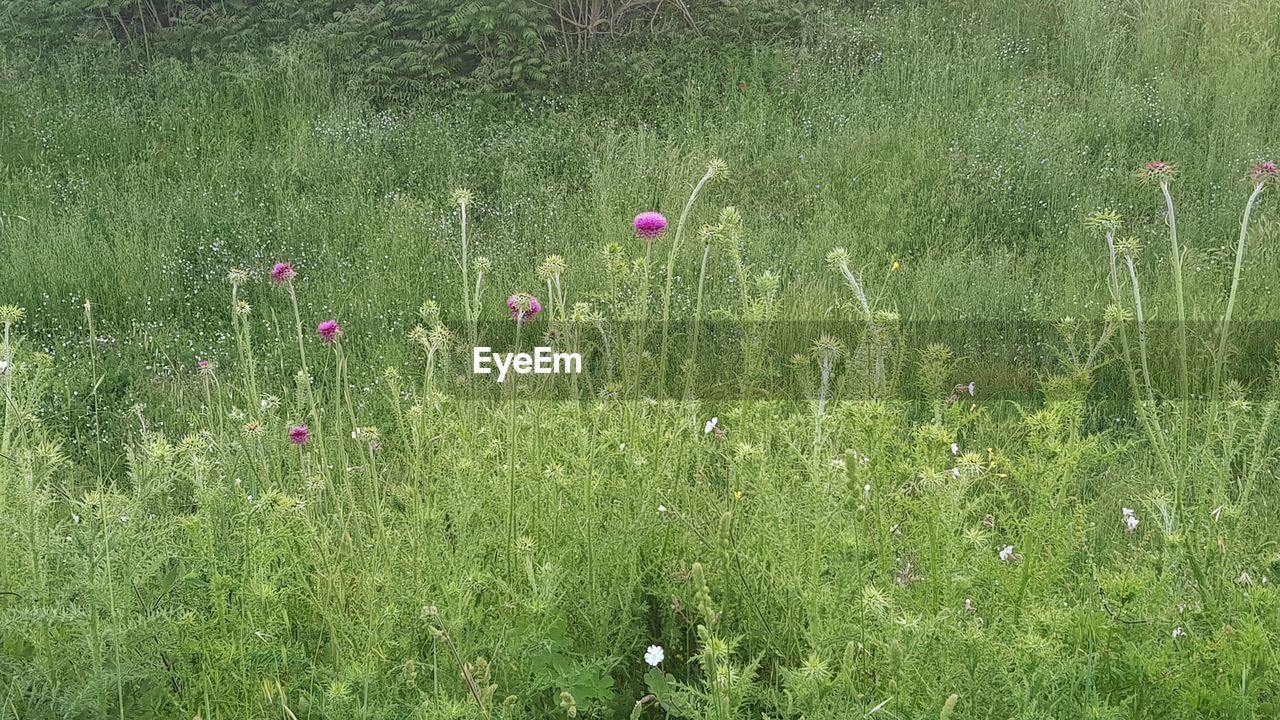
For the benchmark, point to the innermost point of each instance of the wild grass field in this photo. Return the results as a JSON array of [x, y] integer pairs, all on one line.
[[945, 388]]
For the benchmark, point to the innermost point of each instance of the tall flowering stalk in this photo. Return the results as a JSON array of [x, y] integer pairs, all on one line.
[[1128, 248], [826, 351], [550, 271], [1109, 222], [838, 259], [715, 169], [1161, 174], [728, 230], [1262, 174], [282, 273], [523, 307], [240, 323], [462, 198]]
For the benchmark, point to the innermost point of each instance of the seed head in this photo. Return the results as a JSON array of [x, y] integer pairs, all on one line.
[[430, 311], [482, 265], [237, 276], [717, 168]]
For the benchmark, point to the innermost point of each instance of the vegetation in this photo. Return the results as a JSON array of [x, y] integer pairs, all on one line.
[[920, 406]]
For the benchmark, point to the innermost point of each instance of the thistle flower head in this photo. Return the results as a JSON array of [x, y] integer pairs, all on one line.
[[1116, 314], [237, 276], [717, 168], [767, 282], [482, 265], [1265, 172], [429, 311], [299, 435], [838, 258], [1157, 172], [420, 336], [242, 308], [523, 306], [649, 225], [461, 197], [1128, 246], [11, 314], [1105, 220], [206, 367], [283, 272], [828, 349], [329, 331], [439, 337], [553, 266]]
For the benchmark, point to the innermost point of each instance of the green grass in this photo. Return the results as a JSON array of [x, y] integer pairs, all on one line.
[[167, 553]]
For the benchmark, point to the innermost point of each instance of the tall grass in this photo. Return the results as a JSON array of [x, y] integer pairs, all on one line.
[[860, 532]]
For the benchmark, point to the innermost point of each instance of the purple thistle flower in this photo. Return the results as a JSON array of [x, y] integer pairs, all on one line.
[[649, 225], [523, 306], [329, 330], [1265, 172], [299, 435], [282, 273]]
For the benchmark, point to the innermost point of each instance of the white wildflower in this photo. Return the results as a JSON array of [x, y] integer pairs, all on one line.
[[1006, 553], [706, 430], [654, 655]]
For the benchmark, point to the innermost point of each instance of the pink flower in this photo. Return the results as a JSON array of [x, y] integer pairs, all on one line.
[[649, 225], [329, 330], [299, 435], [1265, 172], [523, 306], [282, 273]]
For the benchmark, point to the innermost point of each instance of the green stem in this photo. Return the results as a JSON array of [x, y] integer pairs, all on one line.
[[697, 323], [671, 268], [1221, 360], [1184, 387]]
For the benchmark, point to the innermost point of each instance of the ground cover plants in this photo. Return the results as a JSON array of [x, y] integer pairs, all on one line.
[[941, 382]]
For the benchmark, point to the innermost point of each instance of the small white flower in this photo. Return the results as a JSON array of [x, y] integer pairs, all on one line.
[[265, 404], [654, 655], [838, 464], [973, 389], [622, 446], [75, 519], [124, 519], [955, 472], [4, 367], [1130, 520], [955, 449], [706, 430], [662, 508], [968, 605], [1006, 553], [866, 489], [1179, 632]]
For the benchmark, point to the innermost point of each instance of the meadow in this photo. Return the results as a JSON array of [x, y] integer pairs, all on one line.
[[946, 386]]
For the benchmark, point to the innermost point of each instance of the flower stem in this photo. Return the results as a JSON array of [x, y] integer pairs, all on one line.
[[511, 448], [1221, 360], [1183, 378], [697, 323], [671, 268]]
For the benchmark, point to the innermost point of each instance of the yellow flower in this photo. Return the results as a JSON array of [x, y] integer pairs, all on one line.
[[737, 494], [895, 266]]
